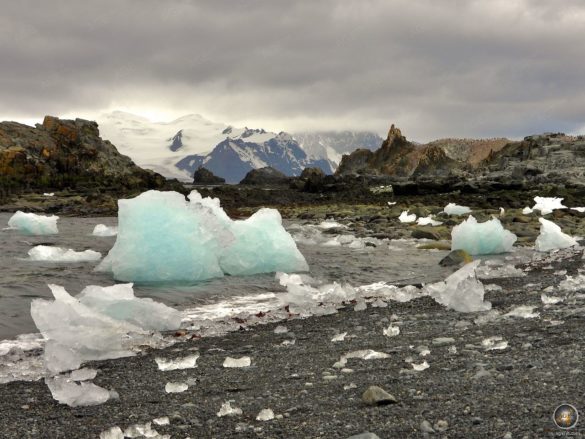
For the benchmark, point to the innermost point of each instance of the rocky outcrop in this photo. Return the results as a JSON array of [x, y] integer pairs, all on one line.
[[265, 176], [67, 154], [205, 176]]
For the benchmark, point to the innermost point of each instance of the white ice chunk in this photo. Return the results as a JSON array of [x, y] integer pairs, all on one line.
[[391, 331], [550, 300], [58, 254], [74, 395], [164, 238], [494, 343], [175, 387], [391, 203], [280, 329], [392, 292], [237, 362], [339, 337], [523, 311], [455, 209], [188, 362], [265, 415], [112, 433], [406, 218], [365, 354], [547, 204], [579, 209], [551, 237], [48, 194], [573, 283], [461, 291], [164, 420], [84, 374], [428, 220], [32, 224], [102, 230], [141, 430], [331, 225], [485, 238], [227, 410], [420, 367], [526, 211]]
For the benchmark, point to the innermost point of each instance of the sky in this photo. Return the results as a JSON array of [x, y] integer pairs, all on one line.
[[435, 68]]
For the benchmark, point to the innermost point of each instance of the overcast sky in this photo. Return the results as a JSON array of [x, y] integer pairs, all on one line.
[[436, 68]]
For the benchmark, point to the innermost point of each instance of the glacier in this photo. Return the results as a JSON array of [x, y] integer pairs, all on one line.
[[33, 224], [95, 324], [551, 237], [58, 254], [164, 238], [485, 238]]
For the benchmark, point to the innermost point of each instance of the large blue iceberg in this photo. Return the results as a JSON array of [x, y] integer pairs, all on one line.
[[162, 237], [485, 238]]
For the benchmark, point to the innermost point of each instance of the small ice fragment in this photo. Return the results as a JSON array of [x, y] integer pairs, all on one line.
[[280, 329], [227, 410], [350, 386], [524, 311], [237, 362], [526, 211], [175, 387], [391, 203], [164, 420], [391, 331], [440, 341], [419, 367], [361, 306], [547, 204], [579, 209], [550, 300], [187, 362], [141, 430], [48, 194], [32, 224], [485, 238], [573, 283], [102, 230], [339, 337], [58, 254], [494, 343], [406, 218], [112, 433], [428, 220], [84, 374], [265, 415], [454, 209], [452, 350], [331, 225], [379, 303], [366, 354], [75, 395], [551, 237]]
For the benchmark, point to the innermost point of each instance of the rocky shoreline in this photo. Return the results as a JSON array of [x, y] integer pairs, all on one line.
[[468, 390]]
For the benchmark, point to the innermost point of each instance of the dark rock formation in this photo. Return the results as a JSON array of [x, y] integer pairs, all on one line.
[[205, 176], [265, 176], [68, 154]]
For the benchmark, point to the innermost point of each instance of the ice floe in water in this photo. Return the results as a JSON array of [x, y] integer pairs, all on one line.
[[102, 230], [237, 362], [551, 237], [485, 238], [454, 209], [547, 205], [164, 238], [96, 324], [227, 410], [57, 254], [73, 394], [33, 224], [188, 362], [406, 218], [461, 291]]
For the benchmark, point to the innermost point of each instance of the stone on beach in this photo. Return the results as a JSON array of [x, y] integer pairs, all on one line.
[[375, 395], [485, 238], [33, 224]]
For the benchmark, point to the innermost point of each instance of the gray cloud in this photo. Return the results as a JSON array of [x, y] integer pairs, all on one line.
[[436, 68]]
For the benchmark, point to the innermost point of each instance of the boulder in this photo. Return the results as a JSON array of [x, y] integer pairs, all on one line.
[[264, 177]]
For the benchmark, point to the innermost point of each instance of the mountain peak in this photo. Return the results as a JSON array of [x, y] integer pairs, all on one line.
[[394, 134]]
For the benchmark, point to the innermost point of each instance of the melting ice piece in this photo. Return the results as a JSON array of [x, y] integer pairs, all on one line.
[[227, 410], [339, 337], [526, 211], [573, 283], [265, 415], [103, 230], [485, 238], [331, 225], [95, 325], [366, 354], [391, 203], [550, 300], [280, 329], [164, 420], [494, 343], [48, 194], [524, 311], [428, 220], [391, 331], [237, 362], [406, 218], [579, 209], [84, 374], [547, 204], [420, 367], [141, 430], [74, 395], [175, 387], [461, 291], [112, 433], [455, 209], [32, 224], [551, 237], [58, 254], [188, 362]]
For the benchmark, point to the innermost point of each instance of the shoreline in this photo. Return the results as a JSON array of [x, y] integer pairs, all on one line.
[[478, 392]]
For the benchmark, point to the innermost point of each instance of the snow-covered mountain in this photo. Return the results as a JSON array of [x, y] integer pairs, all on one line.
[[177, 148], [331, 145]]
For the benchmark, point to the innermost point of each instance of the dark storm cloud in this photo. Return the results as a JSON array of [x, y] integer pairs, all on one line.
[[437, 68]]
